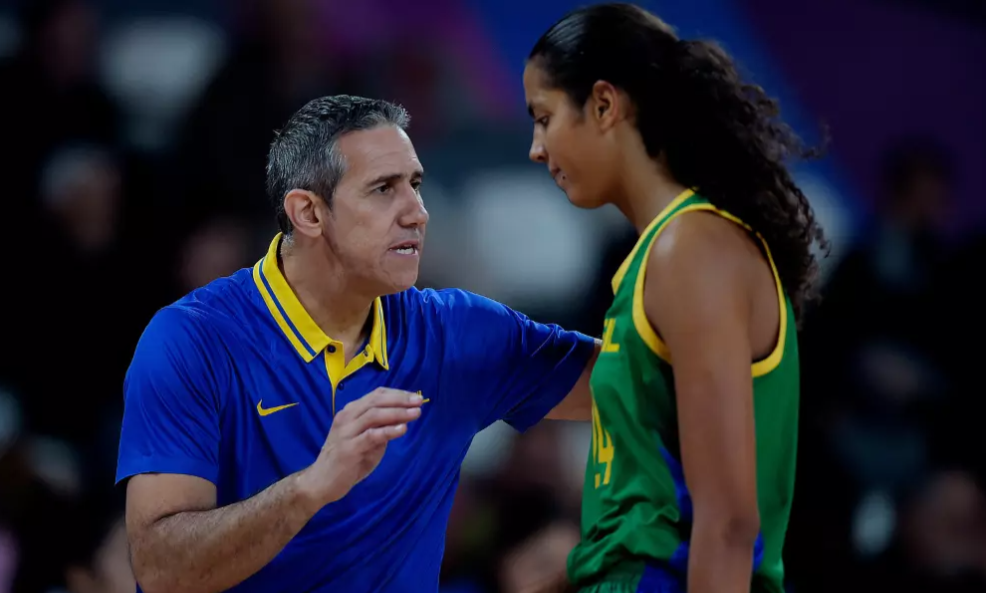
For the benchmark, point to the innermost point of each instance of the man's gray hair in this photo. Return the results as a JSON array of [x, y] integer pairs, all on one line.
[[304, 153]]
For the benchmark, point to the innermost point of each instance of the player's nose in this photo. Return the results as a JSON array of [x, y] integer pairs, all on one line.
[[538, 154]]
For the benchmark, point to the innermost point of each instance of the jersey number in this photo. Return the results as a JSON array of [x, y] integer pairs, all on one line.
[[609, 326], [602, 449]]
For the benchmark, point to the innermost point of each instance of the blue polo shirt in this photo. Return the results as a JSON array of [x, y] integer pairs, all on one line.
[[236, 384]]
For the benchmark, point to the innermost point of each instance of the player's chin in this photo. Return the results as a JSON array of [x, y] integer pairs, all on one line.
[[583, 199]]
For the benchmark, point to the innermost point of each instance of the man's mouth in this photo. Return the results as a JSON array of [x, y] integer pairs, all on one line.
[[406, 248]]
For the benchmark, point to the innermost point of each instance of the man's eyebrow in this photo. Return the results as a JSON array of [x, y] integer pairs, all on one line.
[[389, 178], [385, 179]]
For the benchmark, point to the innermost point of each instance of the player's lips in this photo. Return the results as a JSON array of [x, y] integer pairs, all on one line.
[[557, 175], [407, 248]]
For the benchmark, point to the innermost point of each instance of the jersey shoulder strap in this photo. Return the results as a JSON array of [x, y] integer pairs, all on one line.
[[687, 199], [633, 272]]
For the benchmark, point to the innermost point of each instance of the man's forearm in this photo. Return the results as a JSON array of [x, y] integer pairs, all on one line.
[[210, 551]]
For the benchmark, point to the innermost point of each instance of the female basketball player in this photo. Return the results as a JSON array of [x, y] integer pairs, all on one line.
[[691, 469]]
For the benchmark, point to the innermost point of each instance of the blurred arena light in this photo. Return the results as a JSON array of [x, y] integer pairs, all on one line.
[[10, 36], [156, 68], [834, 219], [528, 245]]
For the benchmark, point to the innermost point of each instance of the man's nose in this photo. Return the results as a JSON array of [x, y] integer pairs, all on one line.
[[416, 215]]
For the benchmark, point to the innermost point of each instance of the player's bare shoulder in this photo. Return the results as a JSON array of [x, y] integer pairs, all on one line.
[[702, 240], [698, 255]]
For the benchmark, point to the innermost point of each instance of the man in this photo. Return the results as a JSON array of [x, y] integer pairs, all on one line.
[[232, 389]]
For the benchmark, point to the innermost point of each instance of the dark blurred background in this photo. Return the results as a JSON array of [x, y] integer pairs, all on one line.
[[134, 136]]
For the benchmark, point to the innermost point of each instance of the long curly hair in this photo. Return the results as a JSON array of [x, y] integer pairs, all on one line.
[[717, 133]]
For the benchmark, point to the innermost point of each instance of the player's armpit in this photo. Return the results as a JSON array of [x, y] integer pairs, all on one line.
[[577, 405], [698, 299]]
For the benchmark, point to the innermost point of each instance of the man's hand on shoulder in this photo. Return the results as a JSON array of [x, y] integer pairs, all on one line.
[[356, 443]]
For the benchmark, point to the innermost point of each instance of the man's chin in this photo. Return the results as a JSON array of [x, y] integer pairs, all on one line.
[[399, 283]]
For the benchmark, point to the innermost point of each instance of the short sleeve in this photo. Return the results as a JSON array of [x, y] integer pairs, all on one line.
[[171, 401], [510, 367]]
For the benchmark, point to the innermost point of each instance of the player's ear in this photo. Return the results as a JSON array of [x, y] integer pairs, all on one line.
[[605, 106], [301, 206]]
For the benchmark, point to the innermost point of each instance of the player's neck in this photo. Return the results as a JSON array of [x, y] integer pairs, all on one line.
[[647, 189], [339, 309]]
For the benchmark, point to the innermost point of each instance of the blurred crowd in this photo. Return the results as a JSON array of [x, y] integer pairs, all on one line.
[[134, 174]]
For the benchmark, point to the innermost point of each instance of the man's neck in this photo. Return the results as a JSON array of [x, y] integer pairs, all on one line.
[[339, 310]]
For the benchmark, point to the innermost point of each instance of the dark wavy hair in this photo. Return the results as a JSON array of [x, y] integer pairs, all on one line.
[[720, 135]]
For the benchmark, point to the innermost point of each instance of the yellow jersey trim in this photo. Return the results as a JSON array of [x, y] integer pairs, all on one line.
[[298, 326], [657, 345], [622, 271]]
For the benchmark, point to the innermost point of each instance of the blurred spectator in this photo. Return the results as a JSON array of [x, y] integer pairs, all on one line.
[[274, 68], [30, 523], [538, 565], [866, 330], [50, 94], [940, 542], [875, 375], [80, 190], [96, 554], [80, 309], [217, 249]]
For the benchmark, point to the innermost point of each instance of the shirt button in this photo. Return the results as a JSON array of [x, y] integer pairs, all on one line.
[[331, 349]]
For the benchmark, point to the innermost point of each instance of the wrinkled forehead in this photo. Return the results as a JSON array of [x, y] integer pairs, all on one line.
[[381, 151]]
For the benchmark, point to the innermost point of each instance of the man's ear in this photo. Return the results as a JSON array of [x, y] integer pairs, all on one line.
[[301, 207]]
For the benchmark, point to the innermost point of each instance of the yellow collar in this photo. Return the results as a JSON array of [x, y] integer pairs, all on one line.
[[298, 326]]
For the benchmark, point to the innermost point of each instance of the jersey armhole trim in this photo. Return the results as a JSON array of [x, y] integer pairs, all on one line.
[[656, 344]]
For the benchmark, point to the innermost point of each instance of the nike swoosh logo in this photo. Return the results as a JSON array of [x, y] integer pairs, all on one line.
[[269, 411]]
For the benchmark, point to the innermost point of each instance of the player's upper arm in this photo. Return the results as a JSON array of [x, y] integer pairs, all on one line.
[[697, 297], [514, 369], [169, 441]]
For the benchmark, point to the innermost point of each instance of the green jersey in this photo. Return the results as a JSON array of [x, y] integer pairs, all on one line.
[[636, 510]]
